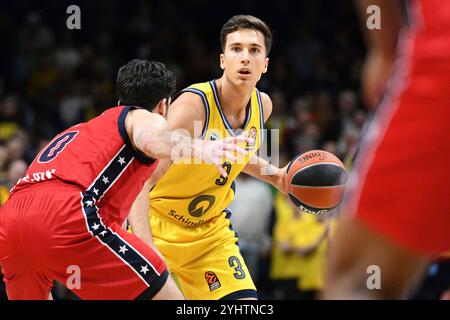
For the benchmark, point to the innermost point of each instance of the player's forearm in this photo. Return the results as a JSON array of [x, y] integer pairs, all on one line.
[[263, 170], [384, 40]]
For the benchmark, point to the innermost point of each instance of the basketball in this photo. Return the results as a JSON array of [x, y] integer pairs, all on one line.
[[315, 181]]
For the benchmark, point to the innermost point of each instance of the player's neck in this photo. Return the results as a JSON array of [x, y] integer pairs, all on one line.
[[233, 99]]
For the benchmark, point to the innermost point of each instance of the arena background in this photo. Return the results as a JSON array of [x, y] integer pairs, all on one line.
[[52, 77]]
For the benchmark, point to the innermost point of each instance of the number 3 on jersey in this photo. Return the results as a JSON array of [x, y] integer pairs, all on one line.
[[56, 146], [234, 262], [221, 181]]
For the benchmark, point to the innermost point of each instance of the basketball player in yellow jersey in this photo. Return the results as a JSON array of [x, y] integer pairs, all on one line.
[[188, 207]]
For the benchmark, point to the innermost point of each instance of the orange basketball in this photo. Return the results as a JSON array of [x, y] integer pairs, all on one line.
[[315, 181]]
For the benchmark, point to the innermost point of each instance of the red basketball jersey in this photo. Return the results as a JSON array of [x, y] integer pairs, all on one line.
[[97, 156]]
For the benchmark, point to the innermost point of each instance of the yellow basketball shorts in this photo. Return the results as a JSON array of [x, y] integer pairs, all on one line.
[[205, 259]]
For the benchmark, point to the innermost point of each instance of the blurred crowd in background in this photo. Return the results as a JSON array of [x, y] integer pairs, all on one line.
[[52, 78]]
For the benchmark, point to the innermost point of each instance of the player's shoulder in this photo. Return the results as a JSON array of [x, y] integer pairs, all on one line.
[[195, 94], [139, 116], [266, 104]]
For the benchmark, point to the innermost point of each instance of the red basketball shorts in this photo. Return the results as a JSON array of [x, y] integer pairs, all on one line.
[[56, 232], [400, 182]]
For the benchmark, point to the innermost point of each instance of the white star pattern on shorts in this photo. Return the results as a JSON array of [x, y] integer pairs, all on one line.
[[95, 226], [121, 161], [123, 249]]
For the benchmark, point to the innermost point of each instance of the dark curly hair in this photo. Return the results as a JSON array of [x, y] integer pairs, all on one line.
[[144, 83]]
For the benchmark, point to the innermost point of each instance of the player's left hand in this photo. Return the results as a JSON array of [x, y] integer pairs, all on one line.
[[214, 152]]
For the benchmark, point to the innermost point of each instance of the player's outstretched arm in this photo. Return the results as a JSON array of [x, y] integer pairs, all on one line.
[[150, 134], [381, 48]]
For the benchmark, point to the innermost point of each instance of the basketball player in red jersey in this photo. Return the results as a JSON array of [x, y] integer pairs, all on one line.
[[396, 216], [65, 216]]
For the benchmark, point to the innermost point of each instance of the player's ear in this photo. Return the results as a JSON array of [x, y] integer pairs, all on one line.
[[163, 104], [266, 65], [222, 61]]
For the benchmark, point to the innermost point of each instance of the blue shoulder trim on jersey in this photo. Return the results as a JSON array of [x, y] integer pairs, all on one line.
[[123, 133], [261, 115], [205, 104], [212, 83], [233, 186]]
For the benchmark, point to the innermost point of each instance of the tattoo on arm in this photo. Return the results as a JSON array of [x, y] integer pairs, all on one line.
[[269, 171]]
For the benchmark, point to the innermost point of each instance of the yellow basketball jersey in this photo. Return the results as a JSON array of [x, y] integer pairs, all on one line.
[[190, 194]]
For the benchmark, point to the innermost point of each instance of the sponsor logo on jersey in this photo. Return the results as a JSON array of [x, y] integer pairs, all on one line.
[[212, 280], [183, 219]]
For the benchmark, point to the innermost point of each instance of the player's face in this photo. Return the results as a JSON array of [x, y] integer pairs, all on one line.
[[244, 58]]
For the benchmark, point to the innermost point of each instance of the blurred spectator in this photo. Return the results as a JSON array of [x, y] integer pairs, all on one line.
[[35, 39], [18, 146], [332, 147], [298, 252], [16, 170], [325, 116], [74, 105], [308, 139], [67, 56], [13, 116], [309, 242], [352, 131], [3, 160], [284, 267], [279, 118]]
